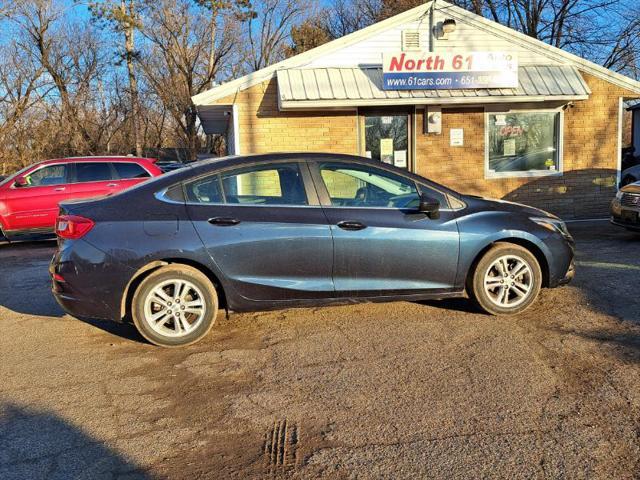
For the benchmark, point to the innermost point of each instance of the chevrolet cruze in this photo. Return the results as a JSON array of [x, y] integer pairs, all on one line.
[[285, 230]]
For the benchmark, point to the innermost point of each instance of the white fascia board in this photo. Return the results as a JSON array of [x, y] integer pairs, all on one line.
[[539, 46], [259, 76], [346, 104]]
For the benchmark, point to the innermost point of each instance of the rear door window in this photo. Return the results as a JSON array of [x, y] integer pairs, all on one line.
[[130, 170], [93, 172], [272, 184], [46, 176]]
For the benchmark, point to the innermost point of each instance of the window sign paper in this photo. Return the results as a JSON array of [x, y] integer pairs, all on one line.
[[387, 120], [400, 158], [457, 137], [509, 146], [501, 120], [386, 150], [367, 154]]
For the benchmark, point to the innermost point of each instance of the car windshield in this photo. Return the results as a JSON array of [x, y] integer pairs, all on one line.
[[10, 178]]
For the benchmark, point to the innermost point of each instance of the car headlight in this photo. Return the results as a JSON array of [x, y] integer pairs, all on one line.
[[553, 224], [619, 195]]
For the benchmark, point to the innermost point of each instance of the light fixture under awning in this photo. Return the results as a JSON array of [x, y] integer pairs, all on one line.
[[309, 88]]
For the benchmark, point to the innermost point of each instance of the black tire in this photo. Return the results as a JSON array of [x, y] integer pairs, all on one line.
[[198, 286], [486, 301]]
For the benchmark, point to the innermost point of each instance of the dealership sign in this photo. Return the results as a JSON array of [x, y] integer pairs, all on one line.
[[449, 71]]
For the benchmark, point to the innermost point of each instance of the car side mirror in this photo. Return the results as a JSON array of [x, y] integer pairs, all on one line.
[[429, 206], [20, 182]]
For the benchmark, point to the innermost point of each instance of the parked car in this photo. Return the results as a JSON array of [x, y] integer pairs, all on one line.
[[284, 230], [630, 175], [29, 199], [625, 208], [167, 167]]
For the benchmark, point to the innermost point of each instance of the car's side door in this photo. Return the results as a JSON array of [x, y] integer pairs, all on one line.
[[382, 244], [34, 205], [92, 179], [265, 230], [129, 174]]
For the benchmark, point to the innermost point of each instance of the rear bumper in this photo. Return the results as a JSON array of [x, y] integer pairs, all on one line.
[[85, 283]]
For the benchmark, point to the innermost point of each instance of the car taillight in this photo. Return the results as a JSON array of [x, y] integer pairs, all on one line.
[[72, 227]]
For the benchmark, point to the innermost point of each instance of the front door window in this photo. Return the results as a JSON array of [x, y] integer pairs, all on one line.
[[386, 138]]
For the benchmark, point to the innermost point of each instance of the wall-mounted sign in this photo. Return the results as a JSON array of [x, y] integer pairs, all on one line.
[[456, 137], [439, 71]]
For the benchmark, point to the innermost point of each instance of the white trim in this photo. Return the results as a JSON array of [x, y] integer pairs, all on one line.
[[619, 155], [421, 11], [297, 105], [236, 129], [491, 175]]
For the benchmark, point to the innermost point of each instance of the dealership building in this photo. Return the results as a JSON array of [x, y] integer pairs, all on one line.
[[446, 94]]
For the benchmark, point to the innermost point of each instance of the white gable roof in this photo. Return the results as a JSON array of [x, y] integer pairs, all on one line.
[[473, 33]]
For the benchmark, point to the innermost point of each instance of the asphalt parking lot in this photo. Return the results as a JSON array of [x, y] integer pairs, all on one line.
[[402, 390]]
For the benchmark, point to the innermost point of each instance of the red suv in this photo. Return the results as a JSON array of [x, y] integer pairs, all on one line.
[[29, 199]]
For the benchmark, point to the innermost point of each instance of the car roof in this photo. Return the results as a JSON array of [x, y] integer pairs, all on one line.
[[204, 166], [120, 158]]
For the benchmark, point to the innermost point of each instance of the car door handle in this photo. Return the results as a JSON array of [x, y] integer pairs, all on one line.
[[224, 221], [112, 184], [59, 189], [350, 225]]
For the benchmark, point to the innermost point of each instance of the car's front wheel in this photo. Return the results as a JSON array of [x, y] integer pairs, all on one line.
[[506, 280], [175, 305]]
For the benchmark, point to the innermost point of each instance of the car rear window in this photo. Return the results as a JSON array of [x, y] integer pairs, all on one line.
[[130, 170], [93, 172]]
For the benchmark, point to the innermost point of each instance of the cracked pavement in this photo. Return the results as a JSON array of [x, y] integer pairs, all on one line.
[[400, 390]]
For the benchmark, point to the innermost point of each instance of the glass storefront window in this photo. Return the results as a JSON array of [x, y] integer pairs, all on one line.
[[523, 143], [387, 138]]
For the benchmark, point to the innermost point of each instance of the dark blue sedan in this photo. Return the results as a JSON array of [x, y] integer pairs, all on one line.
[[288, 230]]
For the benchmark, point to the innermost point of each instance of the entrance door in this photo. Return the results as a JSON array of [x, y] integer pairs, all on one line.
[[387, 137]]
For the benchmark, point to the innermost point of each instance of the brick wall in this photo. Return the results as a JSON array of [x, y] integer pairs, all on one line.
[[590, 147], [264, 129]]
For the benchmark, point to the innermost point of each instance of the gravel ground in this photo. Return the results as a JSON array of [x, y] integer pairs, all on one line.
[[401, 390]]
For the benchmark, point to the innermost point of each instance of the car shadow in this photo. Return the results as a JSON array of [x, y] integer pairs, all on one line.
[[37, 444], [464, 305], [32, 296]]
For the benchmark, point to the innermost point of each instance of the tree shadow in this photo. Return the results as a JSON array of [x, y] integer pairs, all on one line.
[[35, 444], [575, 194]]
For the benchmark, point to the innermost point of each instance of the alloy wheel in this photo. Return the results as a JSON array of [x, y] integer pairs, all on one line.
[[174, 308], [508, 281]]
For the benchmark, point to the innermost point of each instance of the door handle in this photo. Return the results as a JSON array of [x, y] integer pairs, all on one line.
[[350, 225], [112, 184], [224, 221], [59, 189]]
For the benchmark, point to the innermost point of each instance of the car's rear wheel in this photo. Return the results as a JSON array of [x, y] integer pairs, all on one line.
[[174, 306], [506, 280]]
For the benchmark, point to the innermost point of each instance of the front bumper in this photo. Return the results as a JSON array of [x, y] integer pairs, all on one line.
[[569, 276]]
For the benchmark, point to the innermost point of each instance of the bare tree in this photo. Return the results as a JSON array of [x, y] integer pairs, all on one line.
[[177, 63], [123, 17], [268, 30]]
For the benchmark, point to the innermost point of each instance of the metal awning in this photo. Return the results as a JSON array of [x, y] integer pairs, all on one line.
[[215, 118], [309, 88]]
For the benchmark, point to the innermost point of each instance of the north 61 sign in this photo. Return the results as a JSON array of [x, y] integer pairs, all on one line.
[[438, 71]]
